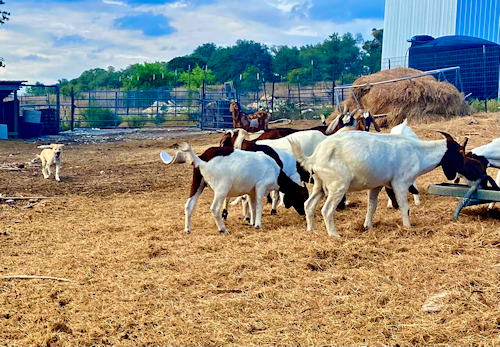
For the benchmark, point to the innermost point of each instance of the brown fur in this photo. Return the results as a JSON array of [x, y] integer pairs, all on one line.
[[244, 121]]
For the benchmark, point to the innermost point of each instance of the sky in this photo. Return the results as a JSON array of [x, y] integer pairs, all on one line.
[[47, 40]]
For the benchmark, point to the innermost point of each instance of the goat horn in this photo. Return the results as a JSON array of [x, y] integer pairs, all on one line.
[[448, 136], [465, 142]]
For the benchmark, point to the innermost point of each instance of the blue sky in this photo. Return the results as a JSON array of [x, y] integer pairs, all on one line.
[[46, 40]]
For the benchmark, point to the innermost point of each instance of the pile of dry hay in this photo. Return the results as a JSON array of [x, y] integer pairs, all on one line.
[[421, 99]]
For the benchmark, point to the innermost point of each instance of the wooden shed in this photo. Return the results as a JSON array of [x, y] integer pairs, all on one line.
[[9, 110]]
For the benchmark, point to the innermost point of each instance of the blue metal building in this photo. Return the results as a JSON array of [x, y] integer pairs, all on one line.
[[405, 19], [467, 34]]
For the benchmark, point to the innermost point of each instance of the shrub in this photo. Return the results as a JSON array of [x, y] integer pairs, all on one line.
[[478, 105], [136, 121], [286, 110], [99, 117]]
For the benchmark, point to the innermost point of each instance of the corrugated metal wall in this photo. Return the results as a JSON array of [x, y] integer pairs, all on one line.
[[479, 18], [406, 18]]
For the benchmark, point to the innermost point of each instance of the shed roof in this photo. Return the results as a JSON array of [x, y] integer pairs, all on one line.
[[11, 85]]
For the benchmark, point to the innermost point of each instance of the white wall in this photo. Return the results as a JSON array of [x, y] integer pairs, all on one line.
[[406, 18]]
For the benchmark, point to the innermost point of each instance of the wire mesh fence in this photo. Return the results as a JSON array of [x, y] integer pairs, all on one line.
[[479, 68]]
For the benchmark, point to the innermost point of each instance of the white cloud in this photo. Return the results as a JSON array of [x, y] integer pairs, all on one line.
[[33, 28], [114, 2], [301, 31]]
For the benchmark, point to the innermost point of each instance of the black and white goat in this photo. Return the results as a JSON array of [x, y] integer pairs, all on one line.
[[491, 152], [231, 173], [285, 160], [358, 160]]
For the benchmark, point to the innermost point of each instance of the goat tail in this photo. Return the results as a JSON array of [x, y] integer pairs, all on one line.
[[299, 154], [191, 157]]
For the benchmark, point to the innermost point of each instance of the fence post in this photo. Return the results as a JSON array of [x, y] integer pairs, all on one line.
[[202, 100], [157, 120], [333, 94], [72, 125], [484, 80], [116, 109], [58, 109], [265, 94], [342, 82], [300, 105], [272, 99]]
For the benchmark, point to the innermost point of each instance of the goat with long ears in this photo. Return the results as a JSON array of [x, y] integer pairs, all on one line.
[[358, 160]]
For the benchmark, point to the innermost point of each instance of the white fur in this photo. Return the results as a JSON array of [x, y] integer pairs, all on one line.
[[238, 173], [490, 206], [289, 168], [51, 156], [308, 139], [340, 163], [490, 151], [405, 130]]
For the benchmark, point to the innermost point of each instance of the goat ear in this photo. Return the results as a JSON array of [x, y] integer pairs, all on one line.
[[333, 125]]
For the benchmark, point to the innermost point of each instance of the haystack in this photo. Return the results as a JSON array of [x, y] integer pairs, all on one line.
[[421, 99]]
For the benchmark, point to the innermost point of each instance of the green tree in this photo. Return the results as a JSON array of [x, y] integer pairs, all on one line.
[[193, 79], [36, 91], [184, 63], [147, 76], [205, 51], [373, 56], [228, 63], [285, 59], [249, 78]]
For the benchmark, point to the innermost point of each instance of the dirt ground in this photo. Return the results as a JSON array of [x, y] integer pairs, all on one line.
[[115, 229]]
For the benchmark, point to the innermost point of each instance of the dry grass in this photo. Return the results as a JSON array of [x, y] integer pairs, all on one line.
[[422, 99], [139, 280]]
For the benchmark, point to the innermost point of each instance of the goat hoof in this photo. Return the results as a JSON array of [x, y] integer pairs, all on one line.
[[224, 232], [224, 214], [247, 219], [188, 231], [273, 212]]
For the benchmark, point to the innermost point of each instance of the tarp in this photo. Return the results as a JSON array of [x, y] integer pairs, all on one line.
[[450, 43]]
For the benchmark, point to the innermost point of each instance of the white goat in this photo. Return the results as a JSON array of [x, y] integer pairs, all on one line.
[[360, 160], [405, 130], [289, 168], [491, 152], [308, 140], [232, 173]]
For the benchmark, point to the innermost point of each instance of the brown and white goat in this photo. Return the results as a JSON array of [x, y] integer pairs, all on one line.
[[232, 173], [250, 122]]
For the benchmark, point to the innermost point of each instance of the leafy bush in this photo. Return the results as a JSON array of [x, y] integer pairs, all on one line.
[[478, 105], [286, 110], [99, 117], [65, 126], [136, 121]]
